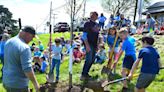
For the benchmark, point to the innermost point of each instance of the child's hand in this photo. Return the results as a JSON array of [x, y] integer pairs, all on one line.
[[114, 65], [130, 76]]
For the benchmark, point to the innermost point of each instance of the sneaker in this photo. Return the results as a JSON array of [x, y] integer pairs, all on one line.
[[86, 77]]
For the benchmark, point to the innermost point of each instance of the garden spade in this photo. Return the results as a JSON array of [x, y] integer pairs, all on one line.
[[107, 69], [106, 83]]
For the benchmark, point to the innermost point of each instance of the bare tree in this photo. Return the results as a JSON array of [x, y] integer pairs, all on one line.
[[77, 6], [115, 6], [122, 6]]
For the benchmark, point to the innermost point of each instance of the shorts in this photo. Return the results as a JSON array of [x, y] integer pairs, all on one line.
[[128, 62], [144, 80], [116, 50]]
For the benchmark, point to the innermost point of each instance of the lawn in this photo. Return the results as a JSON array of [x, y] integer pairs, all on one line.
[[156, 86]]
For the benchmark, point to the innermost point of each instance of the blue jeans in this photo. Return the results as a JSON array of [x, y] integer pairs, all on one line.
[[89, 60], [56, 63]]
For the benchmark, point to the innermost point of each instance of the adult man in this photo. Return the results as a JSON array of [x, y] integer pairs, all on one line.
[[90, 37], [150, 21], [17, 69], [102, 20]]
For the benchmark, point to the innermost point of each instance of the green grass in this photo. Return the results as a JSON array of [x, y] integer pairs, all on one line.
[[156, 86]]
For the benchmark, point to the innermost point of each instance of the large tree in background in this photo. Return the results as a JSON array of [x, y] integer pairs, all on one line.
[[6, 21], [114, 6], [122, 6]]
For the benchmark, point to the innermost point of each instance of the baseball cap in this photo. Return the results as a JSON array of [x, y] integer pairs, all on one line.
[[29, 29]]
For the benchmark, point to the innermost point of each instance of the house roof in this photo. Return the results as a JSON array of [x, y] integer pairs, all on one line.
[[155, 8], [157, 5]]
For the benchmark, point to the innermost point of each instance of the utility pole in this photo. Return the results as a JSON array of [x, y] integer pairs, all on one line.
[[135, 12]]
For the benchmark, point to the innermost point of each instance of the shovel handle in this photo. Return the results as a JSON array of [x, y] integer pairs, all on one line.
[[115, 81]]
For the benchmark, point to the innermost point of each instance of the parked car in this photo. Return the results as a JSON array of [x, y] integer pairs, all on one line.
[[79, 24], [61, 27]]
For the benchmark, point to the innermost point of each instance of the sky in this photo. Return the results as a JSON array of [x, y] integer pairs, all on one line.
[[35, 12]]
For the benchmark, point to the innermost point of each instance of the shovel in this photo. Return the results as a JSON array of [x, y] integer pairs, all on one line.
[[106, 83], [107, 69]]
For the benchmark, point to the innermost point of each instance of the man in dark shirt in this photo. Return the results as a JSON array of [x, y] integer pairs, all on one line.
[[90, 38]]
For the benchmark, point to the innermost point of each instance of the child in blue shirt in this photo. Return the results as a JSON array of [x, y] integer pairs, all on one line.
[[44, 64], [112, 32], [150, 64], [101, 54], [57, 57], [128, 46]]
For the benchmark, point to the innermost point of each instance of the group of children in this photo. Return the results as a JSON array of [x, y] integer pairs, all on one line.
[[158, 29], [150, 66], [125, 43]]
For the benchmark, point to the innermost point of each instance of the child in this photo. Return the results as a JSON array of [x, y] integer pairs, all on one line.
[[56, 60], [41, 47], [150, 64], [128, 46], [77, 54], [101, 54], [46, 54], [32, 47], [112, 32], [37, 54], [44, 64], [68, 46]]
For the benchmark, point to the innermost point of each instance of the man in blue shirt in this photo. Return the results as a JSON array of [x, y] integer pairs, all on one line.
[[102, 20], [150, 64], [128, 46], [17, 69], [90, 38]]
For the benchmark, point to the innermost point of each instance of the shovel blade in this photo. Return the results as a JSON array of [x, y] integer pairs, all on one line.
[[106, 70], [50, 78]]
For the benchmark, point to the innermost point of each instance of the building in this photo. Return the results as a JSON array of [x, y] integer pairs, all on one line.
[[157, 11]]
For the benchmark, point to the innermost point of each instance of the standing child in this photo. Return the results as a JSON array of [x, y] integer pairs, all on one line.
[[150, 64], [130, 56], [112, 32], [56, 60], [101, 54]]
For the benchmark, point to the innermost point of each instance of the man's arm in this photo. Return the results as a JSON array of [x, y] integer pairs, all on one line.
[[84, 37], [27, 67], [32, 78]]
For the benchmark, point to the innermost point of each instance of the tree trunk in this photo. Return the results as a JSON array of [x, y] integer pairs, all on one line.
[[135, 12]]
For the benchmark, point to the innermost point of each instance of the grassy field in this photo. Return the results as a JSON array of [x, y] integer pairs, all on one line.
[[156, 86]]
